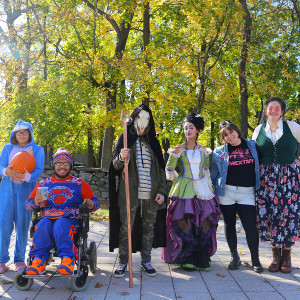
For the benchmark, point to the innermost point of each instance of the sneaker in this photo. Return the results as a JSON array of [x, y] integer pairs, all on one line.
[[150, 271], [120, 271], [188, 267], [3, 268], [37, 267], [67, 266], [20, 266]]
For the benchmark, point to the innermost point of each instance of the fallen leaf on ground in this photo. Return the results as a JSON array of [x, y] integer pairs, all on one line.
[[240, 251], [100, 218], [238, 231], [247, 264], [124, 293], [7, 281], [220, 275], [98, 285], [115, 283]]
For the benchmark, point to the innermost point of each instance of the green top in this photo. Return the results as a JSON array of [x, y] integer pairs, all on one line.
[[183, 161], [283, 152], [183, 186]]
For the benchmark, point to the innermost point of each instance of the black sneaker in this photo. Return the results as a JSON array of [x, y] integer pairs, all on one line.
[[120, 271], [150, 271]]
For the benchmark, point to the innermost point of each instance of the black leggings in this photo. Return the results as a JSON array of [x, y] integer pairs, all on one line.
[[247, 214]]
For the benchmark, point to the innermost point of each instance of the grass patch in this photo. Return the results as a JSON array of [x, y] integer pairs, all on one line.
[[101, 214]]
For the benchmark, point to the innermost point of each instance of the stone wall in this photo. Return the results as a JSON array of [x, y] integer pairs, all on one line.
[[97, 179]]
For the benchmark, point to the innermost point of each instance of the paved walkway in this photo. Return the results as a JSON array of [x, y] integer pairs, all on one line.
[[171, 282]]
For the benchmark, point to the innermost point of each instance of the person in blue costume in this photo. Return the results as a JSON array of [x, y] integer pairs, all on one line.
[[15, 188]]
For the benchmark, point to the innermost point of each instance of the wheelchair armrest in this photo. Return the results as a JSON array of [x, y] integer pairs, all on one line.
[[84, 210]]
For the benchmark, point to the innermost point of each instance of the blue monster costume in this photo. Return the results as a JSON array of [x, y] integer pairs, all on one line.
[[14, 193]]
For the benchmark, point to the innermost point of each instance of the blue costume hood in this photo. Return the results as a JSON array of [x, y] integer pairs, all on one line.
[[21, 125]]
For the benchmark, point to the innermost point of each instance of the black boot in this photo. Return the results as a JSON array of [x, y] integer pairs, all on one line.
[[256, 265], [235, 261]]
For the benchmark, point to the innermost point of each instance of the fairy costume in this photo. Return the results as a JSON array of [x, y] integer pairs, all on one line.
[[194, 210]]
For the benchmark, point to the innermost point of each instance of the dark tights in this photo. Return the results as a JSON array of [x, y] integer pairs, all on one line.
[[247, 214]]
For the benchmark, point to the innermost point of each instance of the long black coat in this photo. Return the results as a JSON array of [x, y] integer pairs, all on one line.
[[117, 193]]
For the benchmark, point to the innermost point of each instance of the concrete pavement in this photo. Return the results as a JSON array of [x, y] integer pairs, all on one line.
[[171, 282]]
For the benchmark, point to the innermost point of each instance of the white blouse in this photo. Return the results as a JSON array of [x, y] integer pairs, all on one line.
[[275, 136], [194, 159]]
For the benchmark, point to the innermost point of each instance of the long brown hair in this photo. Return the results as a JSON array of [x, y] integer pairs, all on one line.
[[227, 124]]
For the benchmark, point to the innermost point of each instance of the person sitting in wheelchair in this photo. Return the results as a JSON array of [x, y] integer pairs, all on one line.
[[60, 218]]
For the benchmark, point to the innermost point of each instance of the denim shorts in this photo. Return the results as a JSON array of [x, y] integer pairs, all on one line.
[[238, 194]]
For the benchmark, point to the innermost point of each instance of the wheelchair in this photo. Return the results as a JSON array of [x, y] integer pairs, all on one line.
[[87, 257]]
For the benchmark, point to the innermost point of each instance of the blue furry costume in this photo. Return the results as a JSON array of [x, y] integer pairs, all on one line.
[[13, 195]]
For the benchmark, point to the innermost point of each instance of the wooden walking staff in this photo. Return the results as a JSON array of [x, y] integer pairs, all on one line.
[[125, 119]]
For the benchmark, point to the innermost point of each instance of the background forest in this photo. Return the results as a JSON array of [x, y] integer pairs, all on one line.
[[70, 66]]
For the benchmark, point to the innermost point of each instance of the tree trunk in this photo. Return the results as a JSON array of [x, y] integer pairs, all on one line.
[[108, 140], [50, 153], [111, 87], [296, 9], [100, 154], [146, 42], [242, 69], [91, 157], [212, 141], [46, 155], [107, 151], [166, 146]]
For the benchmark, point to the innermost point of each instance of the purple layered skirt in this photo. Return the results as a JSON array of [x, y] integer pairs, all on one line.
[[191, 230]]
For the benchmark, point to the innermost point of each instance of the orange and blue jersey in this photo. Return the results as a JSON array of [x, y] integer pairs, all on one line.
[[60, 216], [64, 197]]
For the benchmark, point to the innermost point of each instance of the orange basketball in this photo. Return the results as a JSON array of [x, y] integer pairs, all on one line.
[[60, 199]]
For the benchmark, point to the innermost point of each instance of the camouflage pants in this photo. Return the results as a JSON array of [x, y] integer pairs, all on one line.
[[148, 222]]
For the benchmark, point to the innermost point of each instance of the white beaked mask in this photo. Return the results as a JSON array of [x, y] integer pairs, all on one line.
[[141, 122]]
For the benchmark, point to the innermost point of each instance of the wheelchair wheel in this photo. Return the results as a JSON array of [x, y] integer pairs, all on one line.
[[22, 283], [80, 283], [92, 252]]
